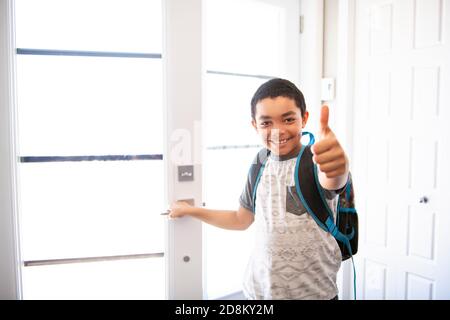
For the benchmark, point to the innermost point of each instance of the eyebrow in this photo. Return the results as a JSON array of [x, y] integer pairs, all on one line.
[[289, 113], [264, 118]]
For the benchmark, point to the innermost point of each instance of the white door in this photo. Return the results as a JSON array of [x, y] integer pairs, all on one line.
[[402, 111], [90, 149]]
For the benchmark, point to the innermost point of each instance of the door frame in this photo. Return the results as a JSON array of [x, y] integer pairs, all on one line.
[[182, 60], [10, 274], [343, 112], [345, 105]]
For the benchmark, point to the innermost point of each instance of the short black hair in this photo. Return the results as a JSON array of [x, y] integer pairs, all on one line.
[[278, 88]]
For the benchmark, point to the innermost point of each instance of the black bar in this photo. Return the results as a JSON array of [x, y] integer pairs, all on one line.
[[47, 262], [92, 158], [246, 146], [240, 74], [76, 53]]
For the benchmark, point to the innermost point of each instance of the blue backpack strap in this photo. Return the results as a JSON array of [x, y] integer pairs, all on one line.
[[256, 171], [310, 193], [311, 137]]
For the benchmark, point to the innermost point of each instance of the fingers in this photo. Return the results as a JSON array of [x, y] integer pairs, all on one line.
[[174, 213], [324, 145], [330, 157], [324, 116], [333, 163], [178, 209], [336, 164], [335, 173], [328, 154]]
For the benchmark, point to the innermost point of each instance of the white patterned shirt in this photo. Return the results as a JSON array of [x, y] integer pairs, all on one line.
[[293, 258]]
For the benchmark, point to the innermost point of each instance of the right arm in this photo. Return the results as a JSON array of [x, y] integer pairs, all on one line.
[[225, 219]]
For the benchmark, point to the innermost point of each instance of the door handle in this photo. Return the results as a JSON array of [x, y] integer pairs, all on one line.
[[190, 201], [423, 199]]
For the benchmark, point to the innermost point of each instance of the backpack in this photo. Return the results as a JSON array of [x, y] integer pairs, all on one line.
[[345, 230]]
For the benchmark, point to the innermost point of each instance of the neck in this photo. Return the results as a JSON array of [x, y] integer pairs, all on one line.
[[293, 154]]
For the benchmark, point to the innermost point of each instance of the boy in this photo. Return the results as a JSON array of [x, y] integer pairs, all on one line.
[[293, 257]]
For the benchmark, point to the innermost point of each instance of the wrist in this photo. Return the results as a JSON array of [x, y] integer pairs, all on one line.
[[192, 211]]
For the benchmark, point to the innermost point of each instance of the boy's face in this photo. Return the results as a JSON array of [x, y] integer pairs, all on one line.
[[279, 123]]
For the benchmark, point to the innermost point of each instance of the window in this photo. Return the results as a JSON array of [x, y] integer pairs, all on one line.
[[259, 44], [89, 84]]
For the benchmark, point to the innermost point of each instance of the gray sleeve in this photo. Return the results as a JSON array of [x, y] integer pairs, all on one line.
[[331, 194], [246, 198]]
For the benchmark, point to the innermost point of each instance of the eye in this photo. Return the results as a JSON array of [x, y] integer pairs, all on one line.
[[264, 124], [289, 120]]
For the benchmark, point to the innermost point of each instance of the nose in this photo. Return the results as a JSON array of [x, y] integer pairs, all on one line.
[[277, 132]]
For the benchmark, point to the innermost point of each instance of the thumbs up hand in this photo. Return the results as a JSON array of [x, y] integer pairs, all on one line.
[[329, 156]]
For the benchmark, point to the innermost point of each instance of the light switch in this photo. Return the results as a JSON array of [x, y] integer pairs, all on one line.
[[185, 173]]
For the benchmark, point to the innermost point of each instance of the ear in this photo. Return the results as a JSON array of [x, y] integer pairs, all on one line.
[[254, 125], [305, 119]]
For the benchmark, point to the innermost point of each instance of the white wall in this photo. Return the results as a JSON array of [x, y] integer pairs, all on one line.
[[338, 54], [330, 35], [311, 62]]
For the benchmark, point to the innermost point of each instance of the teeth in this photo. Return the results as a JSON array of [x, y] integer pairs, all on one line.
[[281, 141]]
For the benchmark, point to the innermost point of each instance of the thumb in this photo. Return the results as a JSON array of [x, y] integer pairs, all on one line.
[[324, 115]]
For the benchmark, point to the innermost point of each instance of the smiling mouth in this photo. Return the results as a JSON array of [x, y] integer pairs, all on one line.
[[280, 142]]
